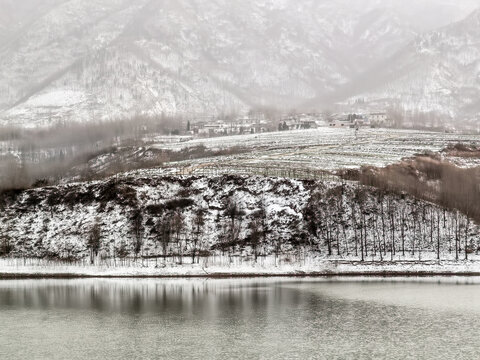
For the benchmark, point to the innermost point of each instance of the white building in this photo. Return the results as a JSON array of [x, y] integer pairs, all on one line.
[[220, 127], [379, 119]]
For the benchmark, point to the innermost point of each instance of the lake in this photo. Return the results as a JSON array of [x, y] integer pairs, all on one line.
[[338, 318]]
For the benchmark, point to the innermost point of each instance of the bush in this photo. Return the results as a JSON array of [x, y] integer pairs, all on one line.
[[180, 203]]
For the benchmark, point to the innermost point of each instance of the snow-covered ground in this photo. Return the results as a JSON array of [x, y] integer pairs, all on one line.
[[315, 149], [284, 154], [222, 266]]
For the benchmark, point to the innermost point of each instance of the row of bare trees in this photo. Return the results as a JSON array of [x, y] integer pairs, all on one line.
[[370, 222], [338, 221]]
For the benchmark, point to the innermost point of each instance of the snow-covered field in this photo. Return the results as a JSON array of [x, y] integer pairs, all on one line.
[[315, 149], [294, 154]]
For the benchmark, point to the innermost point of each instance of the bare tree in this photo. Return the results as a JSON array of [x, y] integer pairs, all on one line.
[[235, 213], [6, 246], [177, 225], [164, 232], [137, 228], [94, 239], [198, 223], [255, 236]]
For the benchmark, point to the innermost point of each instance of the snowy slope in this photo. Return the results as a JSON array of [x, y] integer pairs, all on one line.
[[290, 216]]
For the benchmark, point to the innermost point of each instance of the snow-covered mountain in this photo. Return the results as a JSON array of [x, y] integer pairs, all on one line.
[[105, 59], [438, 71]]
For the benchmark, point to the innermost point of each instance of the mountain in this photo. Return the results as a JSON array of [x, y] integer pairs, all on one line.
[[105, 59], [438, 71]]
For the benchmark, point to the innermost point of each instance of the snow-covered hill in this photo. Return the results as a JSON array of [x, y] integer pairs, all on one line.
[[83, 60], [236, 215]]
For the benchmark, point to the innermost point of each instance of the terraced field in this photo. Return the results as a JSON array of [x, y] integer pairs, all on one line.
[[314, 150]]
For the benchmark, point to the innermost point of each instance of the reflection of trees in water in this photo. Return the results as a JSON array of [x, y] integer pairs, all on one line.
[[198, 297]]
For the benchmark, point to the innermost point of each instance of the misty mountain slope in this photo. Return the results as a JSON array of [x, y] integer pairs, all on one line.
[[17, 15], [439, 71], [56, 39], [120, 82], [77, 60]]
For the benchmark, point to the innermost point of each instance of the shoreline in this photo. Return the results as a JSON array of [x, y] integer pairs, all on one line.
[[9, 276], [320, 268], [236, 275]]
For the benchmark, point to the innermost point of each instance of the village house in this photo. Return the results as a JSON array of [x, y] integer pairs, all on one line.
[[349, 121], [379, 119], [244, 125], [298, 122]]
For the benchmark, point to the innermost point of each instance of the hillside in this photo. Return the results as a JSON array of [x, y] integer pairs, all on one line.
[[104, 59], [183, 219]]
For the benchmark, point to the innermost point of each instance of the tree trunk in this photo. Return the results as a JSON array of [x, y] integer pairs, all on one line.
[[438, 236], [467, 226]]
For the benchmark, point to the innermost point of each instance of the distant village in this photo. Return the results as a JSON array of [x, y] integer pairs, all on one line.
[[257, 122]]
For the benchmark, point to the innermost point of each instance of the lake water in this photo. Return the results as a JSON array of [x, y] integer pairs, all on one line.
[[435, 318]]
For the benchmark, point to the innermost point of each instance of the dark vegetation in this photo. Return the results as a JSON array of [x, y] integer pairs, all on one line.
[[429, 177]]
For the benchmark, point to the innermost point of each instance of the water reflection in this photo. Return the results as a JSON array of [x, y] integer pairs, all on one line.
[[242, 318], [142, 296]]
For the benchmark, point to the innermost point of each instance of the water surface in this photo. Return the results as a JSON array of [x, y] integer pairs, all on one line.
[[243, 318]]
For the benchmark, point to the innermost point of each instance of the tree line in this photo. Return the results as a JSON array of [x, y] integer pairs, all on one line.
[[31, 156], [342, 221]]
